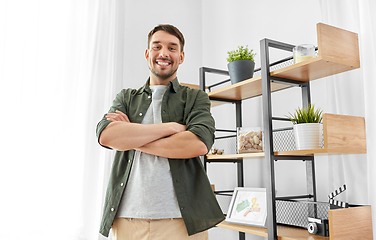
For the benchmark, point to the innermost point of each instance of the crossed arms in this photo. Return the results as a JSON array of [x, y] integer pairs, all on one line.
[[169, 140]]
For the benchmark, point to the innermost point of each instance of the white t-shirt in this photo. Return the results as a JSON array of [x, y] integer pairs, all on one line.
[[149, 192]]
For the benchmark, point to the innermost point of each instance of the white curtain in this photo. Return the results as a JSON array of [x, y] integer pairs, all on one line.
[[58, 75], [353, 94]]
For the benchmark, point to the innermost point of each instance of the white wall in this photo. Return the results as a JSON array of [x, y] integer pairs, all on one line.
[[142, 16]]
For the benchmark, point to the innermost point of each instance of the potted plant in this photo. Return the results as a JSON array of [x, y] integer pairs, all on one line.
[[307, 127], [241, 64]]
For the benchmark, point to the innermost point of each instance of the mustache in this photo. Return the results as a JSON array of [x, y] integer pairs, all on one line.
[[164, 59]]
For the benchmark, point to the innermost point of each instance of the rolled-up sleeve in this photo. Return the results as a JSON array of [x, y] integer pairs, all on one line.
[[200, 121]]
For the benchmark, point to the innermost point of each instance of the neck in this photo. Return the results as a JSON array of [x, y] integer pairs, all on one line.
[[154, 80]]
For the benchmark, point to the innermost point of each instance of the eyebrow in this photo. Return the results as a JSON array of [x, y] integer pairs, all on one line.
[[170, 43]]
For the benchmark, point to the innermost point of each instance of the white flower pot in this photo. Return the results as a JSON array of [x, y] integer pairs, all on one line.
[[308, 135]]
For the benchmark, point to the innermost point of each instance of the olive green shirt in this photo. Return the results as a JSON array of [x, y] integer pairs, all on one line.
[[191, 107]]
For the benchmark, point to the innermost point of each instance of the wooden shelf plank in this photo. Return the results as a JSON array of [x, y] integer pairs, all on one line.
[[321, 151], [283, 232], [338, 44], [309, 70], [244, 89], [305, 152], [263, 232], [216, 103], [361, 223], [342, 135], [315, 68]]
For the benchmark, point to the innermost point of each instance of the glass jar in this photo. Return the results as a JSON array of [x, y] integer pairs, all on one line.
[[303, 52]]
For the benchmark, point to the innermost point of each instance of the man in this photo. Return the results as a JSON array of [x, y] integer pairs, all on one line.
[[158, 188]]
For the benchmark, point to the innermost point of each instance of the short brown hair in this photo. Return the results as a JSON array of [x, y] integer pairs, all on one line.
[[169, 29]]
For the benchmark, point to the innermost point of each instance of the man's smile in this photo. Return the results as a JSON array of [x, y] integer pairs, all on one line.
[[163, 62]]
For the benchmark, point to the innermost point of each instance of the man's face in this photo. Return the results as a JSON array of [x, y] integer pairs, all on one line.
[[164, 57]]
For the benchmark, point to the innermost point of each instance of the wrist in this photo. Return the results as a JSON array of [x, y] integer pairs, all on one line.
[[176, 127]]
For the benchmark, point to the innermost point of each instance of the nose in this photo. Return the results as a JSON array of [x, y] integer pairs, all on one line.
[[163, 53]]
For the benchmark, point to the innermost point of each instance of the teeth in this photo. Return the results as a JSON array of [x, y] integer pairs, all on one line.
[[163, 63]]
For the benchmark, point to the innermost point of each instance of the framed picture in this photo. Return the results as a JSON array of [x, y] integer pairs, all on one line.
[[248, 207]]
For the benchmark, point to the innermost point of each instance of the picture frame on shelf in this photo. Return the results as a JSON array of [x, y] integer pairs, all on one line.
[[248, 207]]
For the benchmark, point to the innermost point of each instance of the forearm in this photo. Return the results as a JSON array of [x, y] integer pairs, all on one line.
[[123, 136], [180, 145]]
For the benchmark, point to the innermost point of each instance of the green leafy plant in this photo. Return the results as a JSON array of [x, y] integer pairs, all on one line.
[[306, 115], [242, 53]]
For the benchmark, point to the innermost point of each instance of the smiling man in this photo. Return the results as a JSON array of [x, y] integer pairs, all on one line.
[[158, 188], [164, 57]]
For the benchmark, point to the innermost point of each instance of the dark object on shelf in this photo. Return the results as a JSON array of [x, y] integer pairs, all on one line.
[[318, 226], [334, 204], [240, 70]]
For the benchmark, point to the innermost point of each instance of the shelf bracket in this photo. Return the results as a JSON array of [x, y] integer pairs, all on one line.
[[290, 82], [278, 45], [215, 71], [204, 70], [294, 157], [224, 100]]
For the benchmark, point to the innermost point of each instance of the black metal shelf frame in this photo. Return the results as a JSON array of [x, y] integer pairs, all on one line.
[[268, 119], [270, 158]]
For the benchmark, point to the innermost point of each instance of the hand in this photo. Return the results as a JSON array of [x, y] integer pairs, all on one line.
[[117, 116], [178, 127]]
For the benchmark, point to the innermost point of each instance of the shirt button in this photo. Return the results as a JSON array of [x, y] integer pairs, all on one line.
[[140, 114], [149, 96], [129, 160], [121, 184], [112, 209]]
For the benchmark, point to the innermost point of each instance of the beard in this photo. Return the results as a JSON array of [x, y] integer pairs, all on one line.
[[163, 75]]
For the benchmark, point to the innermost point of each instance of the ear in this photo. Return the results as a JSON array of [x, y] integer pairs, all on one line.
[[182, 56], [147, 54]]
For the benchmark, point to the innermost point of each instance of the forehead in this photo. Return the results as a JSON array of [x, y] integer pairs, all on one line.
[[164, 38]]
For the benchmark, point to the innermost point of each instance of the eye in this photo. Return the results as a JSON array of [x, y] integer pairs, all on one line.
[[156, 47], [172, 49]]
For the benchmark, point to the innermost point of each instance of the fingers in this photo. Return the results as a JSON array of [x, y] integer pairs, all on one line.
[[111, 117], [123, 116], [117, 116], [179, 127]]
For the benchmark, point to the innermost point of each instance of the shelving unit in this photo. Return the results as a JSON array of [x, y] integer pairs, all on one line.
[[337, 52], [360, 226]]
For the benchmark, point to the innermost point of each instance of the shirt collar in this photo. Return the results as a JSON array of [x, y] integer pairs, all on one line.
[[173, 86]]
